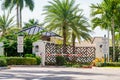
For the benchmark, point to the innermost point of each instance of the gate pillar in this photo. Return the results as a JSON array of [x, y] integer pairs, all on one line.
[[39, 50]]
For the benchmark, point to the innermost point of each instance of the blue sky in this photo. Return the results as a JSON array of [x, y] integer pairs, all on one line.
[[38, 10]]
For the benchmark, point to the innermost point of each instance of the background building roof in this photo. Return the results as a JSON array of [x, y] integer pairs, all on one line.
[[37, 29]]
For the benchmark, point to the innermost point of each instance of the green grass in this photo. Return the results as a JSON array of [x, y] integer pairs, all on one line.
[[77, 65], [110, 67]]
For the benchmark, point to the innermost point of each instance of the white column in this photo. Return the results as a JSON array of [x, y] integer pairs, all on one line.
[[42, 52]]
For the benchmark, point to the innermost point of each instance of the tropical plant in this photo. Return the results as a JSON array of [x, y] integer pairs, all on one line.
[[79, 29], [31, 22], [59, 14], [19, 6], [105, 16], [6, 22], [10, 42]]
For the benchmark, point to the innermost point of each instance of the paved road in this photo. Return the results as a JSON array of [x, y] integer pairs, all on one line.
[[53, 73]]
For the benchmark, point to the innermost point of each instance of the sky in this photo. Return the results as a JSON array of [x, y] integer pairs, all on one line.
[[37, 13]]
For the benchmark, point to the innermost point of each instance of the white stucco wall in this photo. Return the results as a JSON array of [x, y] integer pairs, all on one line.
[[40, 51], [96, 42]]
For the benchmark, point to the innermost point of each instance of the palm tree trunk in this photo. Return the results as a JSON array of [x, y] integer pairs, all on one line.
[[113, 38], [3, 32], [20, 18], [73, 42], [18, 25], [64, 40]]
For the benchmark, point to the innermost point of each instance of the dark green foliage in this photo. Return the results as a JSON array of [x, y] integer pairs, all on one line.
[[99, 64], [29, 55], [60, 60], [21, 61], [27, 46], [113, 64], [10, 48], [50, 63], [108, 64], [38, 60], [117, 51], [3, 62], [10, 42]]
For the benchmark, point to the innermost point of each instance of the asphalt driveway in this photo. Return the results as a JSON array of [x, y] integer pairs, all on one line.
[[59, 73]]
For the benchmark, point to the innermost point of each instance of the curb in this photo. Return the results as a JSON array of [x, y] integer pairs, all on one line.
[[3, 68]]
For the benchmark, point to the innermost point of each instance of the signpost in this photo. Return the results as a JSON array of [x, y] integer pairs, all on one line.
[[20, 44]]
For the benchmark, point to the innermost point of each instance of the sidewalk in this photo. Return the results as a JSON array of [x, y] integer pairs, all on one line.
[[59, 73], [2, 68]]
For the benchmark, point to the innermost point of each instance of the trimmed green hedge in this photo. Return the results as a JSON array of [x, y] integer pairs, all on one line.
[[108, 64], [21, 61], [3, 62], [38, 60], [29, 55]]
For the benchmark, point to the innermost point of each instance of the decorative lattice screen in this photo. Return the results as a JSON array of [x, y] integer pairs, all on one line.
[[81, 54]]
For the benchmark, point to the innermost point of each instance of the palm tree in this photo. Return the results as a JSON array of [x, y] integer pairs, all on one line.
[[79, 27], [31, 22], [19, 6], [107, 11], [58, 16], [6, 22]]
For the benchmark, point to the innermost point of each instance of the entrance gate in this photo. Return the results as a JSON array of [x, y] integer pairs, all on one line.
[[81, 54]]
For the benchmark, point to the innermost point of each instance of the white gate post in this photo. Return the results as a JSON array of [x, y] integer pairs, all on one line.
[[42, 52]]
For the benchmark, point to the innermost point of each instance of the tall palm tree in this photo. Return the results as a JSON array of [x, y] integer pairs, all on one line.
[[6, 22], [79, 27], [58, 15], [19, 6], [107, 11]]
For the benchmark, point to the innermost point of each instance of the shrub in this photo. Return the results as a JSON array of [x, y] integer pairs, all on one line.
[[108, 64], [3, 62], [97, 60], [99, 64], [113, 64], [29, 55], [21, 61], [10, 46], [50, 63], [38, 60], [60, 60]]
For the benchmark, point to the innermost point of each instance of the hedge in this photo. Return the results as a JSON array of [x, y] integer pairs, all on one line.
[[3, 62], [21, 61], [108, 64], [38, 60], [29, 55]]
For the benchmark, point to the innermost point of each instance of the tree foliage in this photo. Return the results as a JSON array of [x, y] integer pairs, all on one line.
[[6, 22], [20, 4], [105, 15]]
